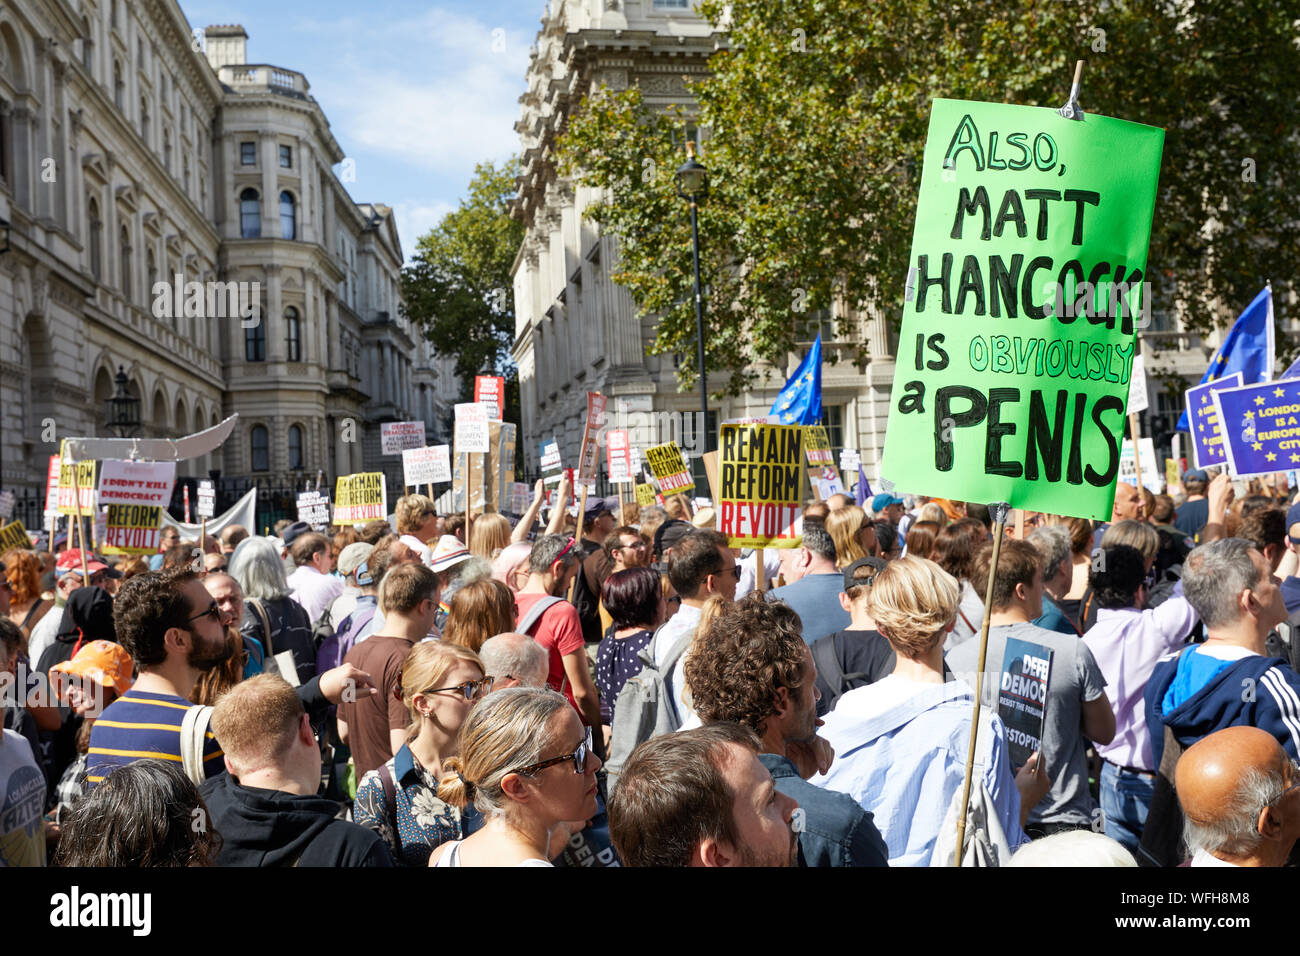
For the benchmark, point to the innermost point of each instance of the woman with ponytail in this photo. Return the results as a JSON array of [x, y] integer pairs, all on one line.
[[440, 684], [526, 764]]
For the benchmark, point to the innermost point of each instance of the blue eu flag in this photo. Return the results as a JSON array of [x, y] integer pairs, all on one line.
[[1248, 349], [800, 402]]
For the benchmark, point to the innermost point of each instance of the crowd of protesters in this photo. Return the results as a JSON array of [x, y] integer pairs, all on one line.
[[621, 687]]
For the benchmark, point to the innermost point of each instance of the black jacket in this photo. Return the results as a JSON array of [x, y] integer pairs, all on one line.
[[88, 616], [274, 828]]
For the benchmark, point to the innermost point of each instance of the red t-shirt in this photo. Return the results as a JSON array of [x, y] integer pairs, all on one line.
[[559, 631]]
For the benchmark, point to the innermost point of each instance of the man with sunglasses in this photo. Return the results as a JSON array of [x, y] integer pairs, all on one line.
[[1240, 795], [171, 627]]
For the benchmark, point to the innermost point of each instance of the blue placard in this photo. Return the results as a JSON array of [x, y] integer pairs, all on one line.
[[1207, 438], [1261, 426]]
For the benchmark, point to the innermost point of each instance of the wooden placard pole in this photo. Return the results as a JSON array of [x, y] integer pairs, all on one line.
[[81, 532], [1020, 524], [469, 470], [582, 515], [203, 534], [431, 491], [760, 578], [1135, 436], [999, 513]]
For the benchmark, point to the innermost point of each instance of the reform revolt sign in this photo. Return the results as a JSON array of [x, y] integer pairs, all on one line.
[[1028, 259]]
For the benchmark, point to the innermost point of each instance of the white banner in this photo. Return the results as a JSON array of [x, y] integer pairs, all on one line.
[[244, 514], [1137, 388]]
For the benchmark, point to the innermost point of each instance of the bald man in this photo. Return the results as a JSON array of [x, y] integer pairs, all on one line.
[[1238, 790]]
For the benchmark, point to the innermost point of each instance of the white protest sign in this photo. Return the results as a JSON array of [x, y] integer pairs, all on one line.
[[1137, 389], [1152, 477], [146, 483], [849, 459], [6, 505], [471, 432], [420, 466], [396, 437], [520, 497]]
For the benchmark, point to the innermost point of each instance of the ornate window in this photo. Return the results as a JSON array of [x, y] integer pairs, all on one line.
[[250, 214], [295, 448], [255, 343], [288, 225], [259, 440], [292, 334]]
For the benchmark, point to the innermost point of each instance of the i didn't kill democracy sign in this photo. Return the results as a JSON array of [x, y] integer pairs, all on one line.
[[1028, 256]]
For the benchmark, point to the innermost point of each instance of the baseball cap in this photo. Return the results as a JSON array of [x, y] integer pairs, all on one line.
[[448, 553], [883, 501], [1292, 518], [876, 564], [669, 533], [294, 532], [353, 556], [598, 506], [71, 561], [104, 662], [1196, 474]]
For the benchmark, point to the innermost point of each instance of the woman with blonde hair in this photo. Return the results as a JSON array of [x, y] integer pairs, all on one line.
[[933, 511], [526, 763], [489, 535], [417, 523], [854, 534], [479, 610], [440, 684], [901, 743]]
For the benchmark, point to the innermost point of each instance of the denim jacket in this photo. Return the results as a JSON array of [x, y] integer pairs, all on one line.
[[834, 830]]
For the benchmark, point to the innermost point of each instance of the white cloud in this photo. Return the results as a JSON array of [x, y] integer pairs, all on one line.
[[414, 219], [438, 91]]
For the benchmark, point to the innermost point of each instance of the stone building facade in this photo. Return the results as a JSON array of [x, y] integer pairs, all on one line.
[[576, 331], [137, 155]]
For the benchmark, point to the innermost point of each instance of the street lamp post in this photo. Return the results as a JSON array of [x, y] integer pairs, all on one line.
[[123, 408], [693, 186]]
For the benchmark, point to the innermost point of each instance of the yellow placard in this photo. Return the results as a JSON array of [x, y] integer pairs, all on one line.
[[82, 473], [360, 498], [760, 485], [669, 468], [13, 535], [817, 446], [133, 529], [645, 495]]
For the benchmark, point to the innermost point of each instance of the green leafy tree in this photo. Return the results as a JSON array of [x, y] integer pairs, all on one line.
[[458, 285], [818, 113]]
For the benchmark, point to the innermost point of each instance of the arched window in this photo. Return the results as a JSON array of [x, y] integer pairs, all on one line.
[[151, 271], [250, 214], [287, 225], [261, 448], [144, 119], [167, 150], [295, 448], [255, 343], [96, 239], [124, 256], [185, 173], [119, 87], [292, 335]]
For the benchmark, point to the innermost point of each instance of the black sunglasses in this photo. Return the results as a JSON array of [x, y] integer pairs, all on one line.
[[212, 611], [471, 689], [579, 758]]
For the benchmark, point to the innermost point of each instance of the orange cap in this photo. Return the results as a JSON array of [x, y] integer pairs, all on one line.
[[103, 662]]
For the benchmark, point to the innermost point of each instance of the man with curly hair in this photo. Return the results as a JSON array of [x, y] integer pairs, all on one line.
[[751, 666]]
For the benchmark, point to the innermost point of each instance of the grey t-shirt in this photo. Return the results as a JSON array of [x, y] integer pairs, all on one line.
[[1075, 679]]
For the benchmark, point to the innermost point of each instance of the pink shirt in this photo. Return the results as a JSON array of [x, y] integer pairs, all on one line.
[[1126, 644]]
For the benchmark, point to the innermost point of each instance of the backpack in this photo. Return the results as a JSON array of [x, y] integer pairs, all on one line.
[[332, 649], [323, 631], [644, 707], [1284, 642], [829, 669]]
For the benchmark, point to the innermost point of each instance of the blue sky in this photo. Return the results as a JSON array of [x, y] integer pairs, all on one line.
[[415, 93]]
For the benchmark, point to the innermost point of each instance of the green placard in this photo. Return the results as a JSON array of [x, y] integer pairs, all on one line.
[[1024, 294]]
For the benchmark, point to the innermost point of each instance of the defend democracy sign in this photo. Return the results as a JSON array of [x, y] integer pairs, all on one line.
[[759, 485], [422, 466], [1028, 258], [1022, 697], [1260, 426], [396, 437], [1207, 435]]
